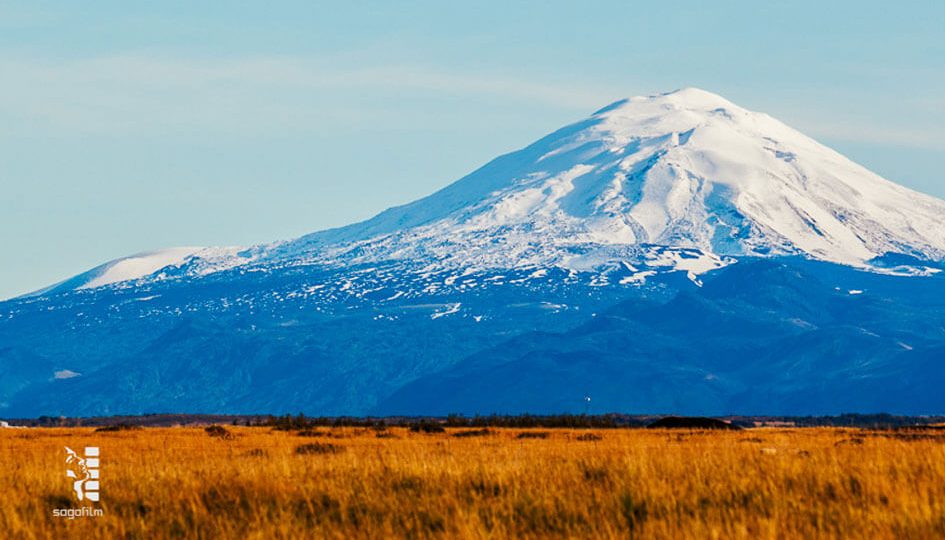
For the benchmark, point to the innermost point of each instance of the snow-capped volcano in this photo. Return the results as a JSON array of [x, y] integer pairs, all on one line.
[[680, 181], [550, 274], [687, 169]]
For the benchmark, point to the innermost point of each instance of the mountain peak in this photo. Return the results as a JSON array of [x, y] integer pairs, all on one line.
[[689, 98], [686, 180], [696, 97], [692, 99], [686, 169]]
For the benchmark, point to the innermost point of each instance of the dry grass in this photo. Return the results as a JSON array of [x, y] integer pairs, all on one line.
[[764, 483]]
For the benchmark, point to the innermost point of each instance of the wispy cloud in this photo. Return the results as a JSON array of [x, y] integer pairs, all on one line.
[[159, 94], [117, 94]]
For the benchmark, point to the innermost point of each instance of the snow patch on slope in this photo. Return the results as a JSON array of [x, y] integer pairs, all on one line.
[[191, 260], [140, 265]]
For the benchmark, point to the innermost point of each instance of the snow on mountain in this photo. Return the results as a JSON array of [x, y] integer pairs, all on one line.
[[679, 181], [202, 260], [137, 266], [686, 169]]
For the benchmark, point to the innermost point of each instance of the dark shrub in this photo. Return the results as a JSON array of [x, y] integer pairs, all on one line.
[[117, 427], [427, 426], [589, 437], [219, 432], [319, 448], [852, 440], [691, 422], [533, 435], [473, 433], [289, 422]]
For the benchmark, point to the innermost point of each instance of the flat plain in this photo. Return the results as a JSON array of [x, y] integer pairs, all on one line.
[[252, 482]]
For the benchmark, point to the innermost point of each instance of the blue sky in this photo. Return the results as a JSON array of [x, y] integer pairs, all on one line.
[[125, 128]]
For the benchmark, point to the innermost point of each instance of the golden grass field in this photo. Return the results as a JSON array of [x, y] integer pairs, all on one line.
[[760, 483]]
